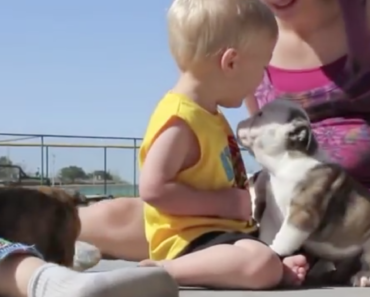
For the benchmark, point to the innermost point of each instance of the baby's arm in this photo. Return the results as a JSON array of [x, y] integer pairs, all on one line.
[[170, 154]]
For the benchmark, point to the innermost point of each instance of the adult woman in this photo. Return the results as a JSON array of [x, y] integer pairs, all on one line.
[[321, 59]]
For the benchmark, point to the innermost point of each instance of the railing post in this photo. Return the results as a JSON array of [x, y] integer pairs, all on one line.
[[47, 161], [42, 160], [105, 170], [135, 164]]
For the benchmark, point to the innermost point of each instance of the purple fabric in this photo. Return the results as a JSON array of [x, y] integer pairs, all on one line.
[[340, 107]]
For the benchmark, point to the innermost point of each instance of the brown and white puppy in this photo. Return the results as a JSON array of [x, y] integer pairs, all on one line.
[[311, 202], [45, 217]]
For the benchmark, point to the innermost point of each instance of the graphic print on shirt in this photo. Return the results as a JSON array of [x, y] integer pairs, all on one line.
[[233, 164], [227, 163], [240, 174]]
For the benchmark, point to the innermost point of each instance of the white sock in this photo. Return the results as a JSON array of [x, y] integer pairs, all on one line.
[[55, 281]]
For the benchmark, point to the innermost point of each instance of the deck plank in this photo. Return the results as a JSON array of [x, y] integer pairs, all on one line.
[[190, 292]]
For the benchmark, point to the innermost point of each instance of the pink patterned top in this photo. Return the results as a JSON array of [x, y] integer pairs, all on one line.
[[336, 96]]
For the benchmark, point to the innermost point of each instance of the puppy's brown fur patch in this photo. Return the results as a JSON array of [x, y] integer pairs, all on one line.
[[335, 209], [45, 217], [332, 205], [309, 209]]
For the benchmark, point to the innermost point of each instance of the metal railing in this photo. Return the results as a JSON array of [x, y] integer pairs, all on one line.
[[47, 142]]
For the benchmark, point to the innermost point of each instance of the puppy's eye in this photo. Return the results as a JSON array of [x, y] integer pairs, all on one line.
[[259, 114]]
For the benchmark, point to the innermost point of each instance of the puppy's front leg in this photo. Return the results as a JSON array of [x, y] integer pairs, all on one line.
[[307, 208], [289, 238], [301, 220]]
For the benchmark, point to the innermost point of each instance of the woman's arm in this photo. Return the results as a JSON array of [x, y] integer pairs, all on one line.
[[358, 38]]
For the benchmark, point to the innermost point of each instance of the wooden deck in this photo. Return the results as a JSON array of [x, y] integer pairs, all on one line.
[[190, 292]]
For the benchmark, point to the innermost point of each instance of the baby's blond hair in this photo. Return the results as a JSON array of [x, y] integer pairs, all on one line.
[[202, 28]]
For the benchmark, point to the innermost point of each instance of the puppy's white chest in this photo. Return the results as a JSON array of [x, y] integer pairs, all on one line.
[[277, 207], [282, 194], [284, 183], [283, 191]]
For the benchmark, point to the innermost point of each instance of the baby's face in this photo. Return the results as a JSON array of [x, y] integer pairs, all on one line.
[[242, 79]]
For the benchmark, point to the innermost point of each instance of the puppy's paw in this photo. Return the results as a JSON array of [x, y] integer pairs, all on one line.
[[361, 279], [288, 239]]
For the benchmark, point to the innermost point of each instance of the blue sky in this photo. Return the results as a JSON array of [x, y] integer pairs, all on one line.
[[86, 67]]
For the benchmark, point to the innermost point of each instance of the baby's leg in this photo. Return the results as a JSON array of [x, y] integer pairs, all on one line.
[[227, 261]]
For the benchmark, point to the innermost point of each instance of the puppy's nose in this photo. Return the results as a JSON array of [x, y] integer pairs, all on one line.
[[239, 141], [241, 130], [242, 138]]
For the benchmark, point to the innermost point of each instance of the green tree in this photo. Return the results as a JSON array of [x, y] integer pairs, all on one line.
[[116, 178], [5, 161], [101, 174], [72, 173], [6, 173]]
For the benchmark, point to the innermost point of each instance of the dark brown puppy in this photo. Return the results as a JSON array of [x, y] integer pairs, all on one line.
[[45, 217], [75, 196]]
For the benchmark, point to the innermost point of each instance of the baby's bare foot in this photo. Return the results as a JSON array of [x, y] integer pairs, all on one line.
[[149, 263], [152, 263], [295, 270]]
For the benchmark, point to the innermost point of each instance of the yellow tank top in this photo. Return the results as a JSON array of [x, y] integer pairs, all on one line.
[[219, 166]]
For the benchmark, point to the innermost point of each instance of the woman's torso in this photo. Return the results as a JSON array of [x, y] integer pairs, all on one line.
[[337, 98]]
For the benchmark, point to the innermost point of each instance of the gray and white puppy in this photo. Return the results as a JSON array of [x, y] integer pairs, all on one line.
[[310, 202]]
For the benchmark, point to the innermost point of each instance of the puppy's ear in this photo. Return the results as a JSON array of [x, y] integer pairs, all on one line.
[[300, 138]]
